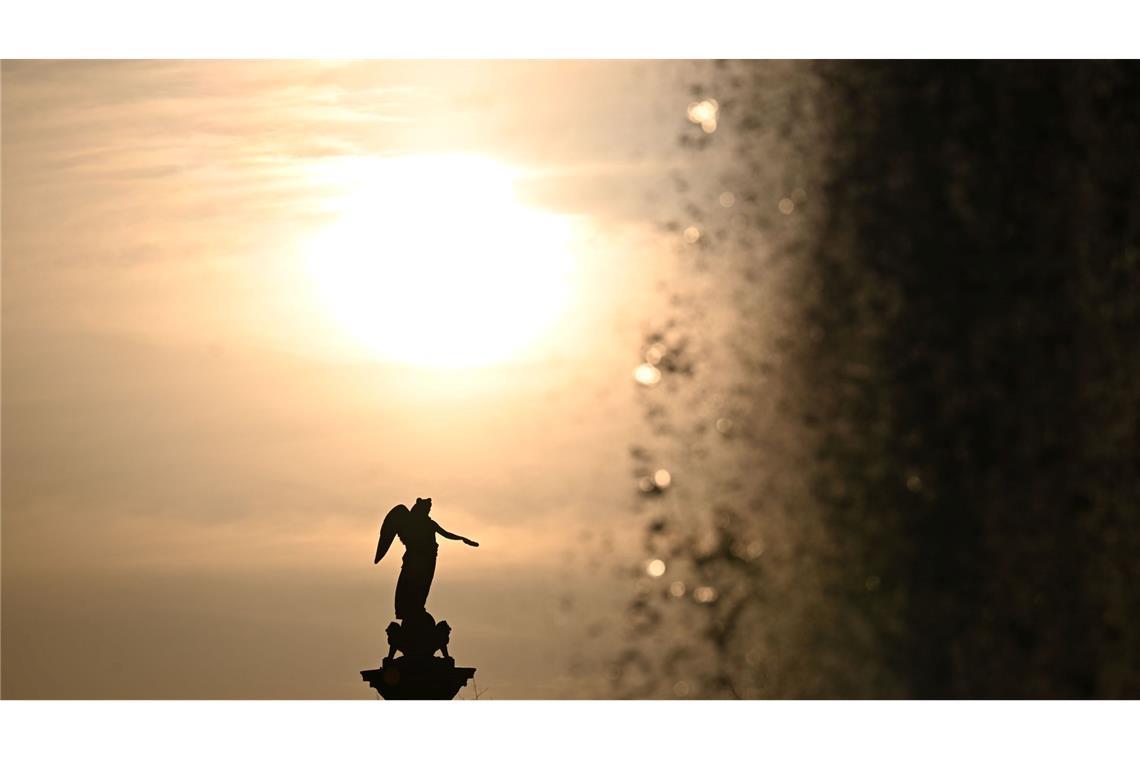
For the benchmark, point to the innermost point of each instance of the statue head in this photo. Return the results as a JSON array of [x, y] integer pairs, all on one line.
[[422, 506]]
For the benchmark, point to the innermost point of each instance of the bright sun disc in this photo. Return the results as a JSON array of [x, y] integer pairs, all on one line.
[[433, 261]]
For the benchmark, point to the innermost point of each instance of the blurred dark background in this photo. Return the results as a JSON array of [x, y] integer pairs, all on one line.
[[913, 467]]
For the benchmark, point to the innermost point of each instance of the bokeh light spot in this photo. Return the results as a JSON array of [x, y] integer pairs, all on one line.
[[647, 375]]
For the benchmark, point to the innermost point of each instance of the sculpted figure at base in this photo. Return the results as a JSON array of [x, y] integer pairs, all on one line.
[[419, 636]]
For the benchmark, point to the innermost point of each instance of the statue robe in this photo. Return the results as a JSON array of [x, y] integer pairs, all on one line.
[[418, 570]]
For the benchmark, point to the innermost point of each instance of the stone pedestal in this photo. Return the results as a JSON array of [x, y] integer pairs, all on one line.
[[412, 677], [418, 674]]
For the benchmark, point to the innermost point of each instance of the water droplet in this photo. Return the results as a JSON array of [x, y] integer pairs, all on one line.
[[662, 479], [692, 234], [786, 206], [728, 200], [705, 594], [647, 374], [655, 353], [704, 112], [677, 588], [655, 568]]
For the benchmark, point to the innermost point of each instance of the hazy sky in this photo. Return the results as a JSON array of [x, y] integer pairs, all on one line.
[[199, 445]]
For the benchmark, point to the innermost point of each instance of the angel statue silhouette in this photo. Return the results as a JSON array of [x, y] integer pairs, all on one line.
[[417, 531], [411, 670]]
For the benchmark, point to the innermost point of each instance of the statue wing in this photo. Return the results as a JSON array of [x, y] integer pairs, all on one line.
[[392, 524]]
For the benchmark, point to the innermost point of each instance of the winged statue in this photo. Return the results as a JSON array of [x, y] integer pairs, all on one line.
[[417, 531]]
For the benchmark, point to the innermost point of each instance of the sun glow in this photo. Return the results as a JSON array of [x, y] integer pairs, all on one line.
[[433, 261]]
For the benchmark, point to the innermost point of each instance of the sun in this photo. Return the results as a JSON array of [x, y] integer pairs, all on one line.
[[433, 261]]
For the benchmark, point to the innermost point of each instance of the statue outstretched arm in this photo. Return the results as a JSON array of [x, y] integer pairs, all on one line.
[[454, 536]]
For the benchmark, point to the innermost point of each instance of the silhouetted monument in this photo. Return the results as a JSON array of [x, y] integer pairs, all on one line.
[[418, 674]]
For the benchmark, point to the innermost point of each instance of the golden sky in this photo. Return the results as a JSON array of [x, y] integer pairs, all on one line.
[[249, 306]]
